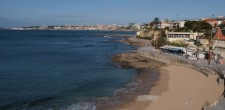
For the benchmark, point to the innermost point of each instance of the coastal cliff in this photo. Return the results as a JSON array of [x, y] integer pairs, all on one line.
[[148, 34]]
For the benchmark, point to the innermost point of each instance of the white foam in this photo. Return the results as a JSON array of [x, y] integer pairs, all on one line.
[[81, 106], [118, 91], [107, 36]]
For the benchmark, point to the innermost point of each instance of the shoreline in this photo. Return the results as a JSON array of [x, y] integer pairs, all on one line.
[[147, 73], [146, 76], [161, 92], [134, 60]]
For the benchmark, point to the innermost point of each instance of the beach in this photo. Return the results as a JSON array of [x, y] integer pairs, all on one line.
[[177, 88]]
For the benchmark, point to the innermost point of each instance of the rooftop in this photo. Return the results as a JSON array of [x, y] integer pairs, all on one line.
[[220, 34]]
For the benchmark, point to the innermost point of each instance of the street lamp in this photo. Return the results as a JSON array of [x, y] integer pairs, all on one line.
[[198, 44], [197, 53], [186, 51], [217, 45], [186, 46], [210, 46], [209, 55]]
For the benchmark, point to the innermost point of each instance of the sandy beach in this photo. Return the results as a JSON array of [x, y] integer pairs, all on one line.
[[185, 86], [178, 88]]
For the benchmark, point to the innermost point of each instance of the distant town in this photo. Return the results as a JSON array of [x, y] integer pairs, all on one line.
[[157, 23], [75, 27]]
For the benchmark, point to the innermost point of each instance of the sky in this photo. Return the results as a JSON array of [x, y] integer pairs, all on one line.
[[16, 13]]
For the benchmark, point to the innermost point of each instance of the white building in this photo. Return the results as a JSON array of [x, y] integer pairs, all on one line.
[[177, 24], [137, 26], [182, 36], [181, 24], [165, 24], [219, 42], [57, 27]]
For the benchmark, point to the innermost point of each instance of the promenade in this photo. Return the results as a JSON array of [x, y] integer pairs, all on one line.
[[201, 63]]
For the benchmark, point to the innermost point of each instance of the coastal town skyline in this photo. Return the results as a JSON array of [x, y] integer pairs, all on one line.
[[31, 13]]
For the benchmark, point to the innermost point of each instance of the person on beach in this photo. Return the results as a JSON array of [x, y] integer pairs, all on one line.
[[218, 80]]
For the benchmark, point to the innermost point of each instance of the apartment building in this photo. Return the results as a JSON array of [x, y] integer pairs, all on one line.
[[219, 42]]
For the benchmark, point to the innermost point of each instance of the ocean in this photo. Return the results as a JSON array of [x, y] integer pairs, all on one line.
[[60, 69]]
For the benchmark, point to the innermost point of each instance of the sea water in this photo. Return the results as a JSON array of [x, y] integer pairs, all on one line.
[[60, 69]]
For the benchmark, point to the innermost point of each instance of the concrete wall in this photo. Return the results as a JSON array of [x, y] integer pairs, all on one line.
[[171, 59]]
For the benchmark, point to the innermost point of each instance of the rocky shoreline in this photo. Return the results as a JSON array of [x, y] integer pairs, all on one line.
[[147, 73]]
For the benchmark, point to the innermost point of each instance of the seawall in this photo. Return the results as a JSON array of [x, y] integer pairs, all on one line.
[[150, 52]]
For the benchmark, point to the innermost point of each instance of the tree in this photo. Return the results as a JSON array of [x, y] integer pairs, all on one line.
[[166, 20], [156, 22], [188, 24], [204, 26], [222, 26], [183, 29], [167, 28], [198, 26], [151, 24], [160, 40]]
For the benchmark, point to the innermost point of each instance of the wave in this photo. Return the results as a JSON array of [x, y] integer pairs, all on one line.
[[39, 101], [25, 105], [118, 90], [80, 106], [107, 37], [137, 86]]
